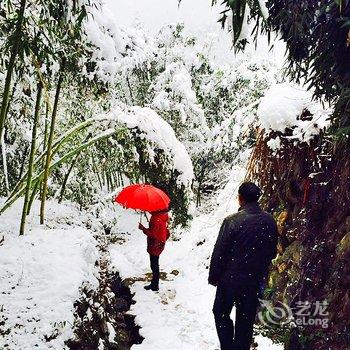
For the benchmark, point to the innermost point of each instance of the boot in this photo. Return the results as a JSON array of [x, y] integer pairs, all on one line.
[[152, 287]]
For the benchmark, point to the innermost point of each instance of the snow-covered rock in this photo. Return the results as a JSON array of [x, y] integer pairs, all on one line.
[[282, 107]]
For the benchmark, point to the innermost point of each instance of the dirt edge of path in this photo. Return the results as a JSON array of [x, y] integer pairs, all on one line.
[[101, 316]]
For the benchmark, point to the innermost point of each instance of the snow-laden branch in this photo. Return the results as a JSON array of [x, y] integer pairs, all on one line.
[[152, 127], [159, 133]]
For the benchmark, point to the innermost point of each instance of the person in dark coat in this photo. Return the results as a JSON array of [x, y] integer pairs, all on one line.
[[246, 244], [157, 234]]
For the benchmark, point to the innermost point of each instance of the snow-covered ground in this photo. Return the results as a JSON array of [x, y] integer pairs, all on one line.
[[40, 276], [179, 316], [42, 271]]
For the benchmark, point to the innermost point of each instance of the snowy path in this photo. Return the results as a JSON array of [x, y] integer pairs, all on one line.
[[42, 272], [179, 316]]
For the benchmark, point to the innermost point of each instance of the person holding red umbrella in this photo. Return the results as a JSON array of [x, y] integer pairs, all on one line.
[[157, 234], [155, 201]]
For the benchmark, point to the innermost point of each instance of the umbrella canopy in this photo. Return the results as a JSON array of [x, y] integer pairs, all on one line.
[[143, 197]]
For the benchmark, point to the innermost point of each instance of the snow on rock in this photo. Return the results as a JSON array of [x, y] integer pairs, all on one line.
[[282, 106], [41, 273], [179, 316]]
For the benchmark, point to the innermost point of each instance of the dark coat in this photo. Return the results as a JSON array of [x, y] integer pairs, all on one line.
[[157, 233], [246, 244]]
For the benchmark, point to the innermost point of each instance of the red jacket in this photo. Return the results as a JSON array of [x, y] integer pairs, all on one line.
[[157, 233]]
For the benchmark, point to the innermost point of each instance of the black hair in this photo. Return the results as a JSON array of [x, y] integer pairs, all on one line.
[[250, 192]]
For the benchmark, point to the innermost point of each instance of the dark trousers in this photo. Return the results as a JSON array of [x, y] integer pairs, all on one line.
[[155, 270], [245, 299]]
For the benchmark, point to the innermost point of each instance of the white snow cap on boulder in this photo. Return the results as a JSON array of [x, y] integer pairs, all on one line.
[[282, 106]]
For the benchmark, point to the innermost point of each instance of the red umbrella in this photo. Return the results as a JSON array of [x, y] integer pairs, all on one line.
[[143, 197]]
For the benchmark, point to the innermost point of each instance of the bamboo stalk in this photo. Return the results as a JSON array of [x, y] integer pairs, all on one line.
[[4, 164], [32, 197], [10, 69], [46, 128], [31, 159], [65, 180], [20, 176], [96, 170], [56, 146], [49, 146]]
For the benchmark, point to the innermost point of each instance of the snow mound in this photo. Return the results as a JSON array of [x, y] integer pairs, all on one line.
[[282, 107], [41, 273]]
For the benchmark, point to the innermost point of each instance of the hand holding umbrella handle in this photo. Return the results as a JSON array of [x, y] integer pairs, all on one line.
[[146, 217], [141, 214]]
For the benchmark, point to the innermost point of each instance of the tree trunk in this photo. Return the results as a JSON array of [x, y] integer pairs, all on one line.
[[49, 147], [31, 159], [11, 66]]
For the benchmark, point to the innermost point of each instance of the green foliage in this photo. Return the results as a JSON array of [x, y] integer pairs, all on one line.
[[62, 160], [242, 12], [317, 37]]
